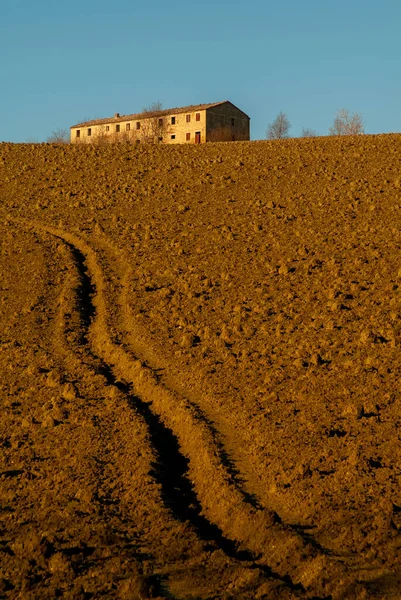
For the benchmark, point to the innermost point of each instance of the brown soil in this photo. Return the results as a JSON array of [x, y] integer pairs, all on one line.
[[200, 370]]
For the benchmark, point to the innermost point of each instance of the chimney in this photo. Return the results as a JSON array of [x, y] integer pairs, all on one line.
[[116, 115]]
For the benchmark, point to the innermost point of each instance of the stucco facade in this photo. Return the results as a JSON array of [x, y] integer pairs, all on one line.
[[220, 121]]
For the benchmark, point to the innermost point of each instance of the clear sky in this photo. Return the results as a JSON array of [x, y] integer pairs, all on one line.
[[65, 62]]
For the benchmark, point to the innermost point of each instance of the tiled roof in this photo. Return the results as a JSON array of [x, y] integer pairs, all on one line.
[[142, 115]]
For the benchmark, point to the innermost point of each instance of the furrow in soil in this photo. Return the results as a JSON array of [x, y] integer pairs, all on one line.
[[258, 532]]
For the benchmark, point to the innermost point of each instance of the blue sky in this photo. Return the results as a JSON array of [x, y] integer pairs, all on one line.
[[64, 62]]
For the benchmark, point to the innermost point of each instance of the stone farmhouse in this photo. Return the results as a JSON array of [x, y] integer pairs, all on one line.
[[217, 122]]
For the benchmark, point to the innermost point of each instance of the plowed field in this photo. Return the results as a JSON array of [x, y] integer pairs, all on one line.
[[200, 359]]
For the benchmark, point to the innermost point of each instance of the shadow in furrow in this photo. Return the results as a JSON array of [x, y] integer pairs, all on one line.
[[170, 469], [85, 292]]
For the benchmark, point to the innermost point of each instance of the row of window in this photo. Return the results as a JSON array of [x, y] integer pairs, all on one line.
[[187, 119], [127, 127], [138, 126], [187, 136], [118, 129], [173, 120]]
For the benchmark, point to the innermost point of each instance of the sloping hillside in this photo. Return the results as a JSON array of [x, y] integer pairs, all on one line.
[[200, 360]]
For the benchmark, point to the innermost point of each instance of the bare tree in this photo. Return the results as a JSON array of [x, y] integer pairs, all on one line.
[[347, 124], [279, 128], [102, 137], [59, 136], [153, 125], [152, 108], [307, 132]]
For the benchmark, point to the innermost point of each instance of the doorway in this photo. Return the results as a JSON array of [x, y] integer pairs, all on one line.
[[197, 137]]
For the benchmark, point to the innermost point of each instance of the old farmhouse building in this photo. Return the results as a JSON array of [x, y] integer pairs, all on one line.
[[220, 121]]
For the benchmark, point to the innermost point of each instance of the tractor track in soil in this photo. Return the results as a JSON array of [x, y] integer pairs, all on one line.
[[198, 482], [169, 467]]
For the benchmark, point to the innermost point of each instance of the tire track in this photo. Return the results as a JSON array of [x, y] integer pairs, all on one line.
[[168, 467], [276, 547]]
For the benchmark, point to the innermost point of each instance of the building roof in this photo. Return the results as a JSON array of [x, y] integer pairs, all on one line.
[[143, 115]]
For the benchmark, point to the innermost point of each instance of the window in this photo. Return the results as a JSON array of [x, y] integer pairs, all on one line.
[[232, 121], [89, 132], [117, 128], [160, 122], [173, 120], [78, 133], [128, 127], [187, 136], [107, 127], [173, 137], [188, 118], [197, 117], [138, 125]]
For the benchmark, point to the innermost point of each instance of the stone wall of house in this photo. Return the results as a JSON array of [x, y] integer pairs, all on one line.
[[226, 122]]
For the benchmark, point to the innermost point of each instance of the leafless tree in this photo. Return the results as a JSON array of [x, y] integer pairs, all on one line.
[[153, 125], [152, 108], [347, 124], [101, 137], [279, 128], [59, 136], [307, 132]]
